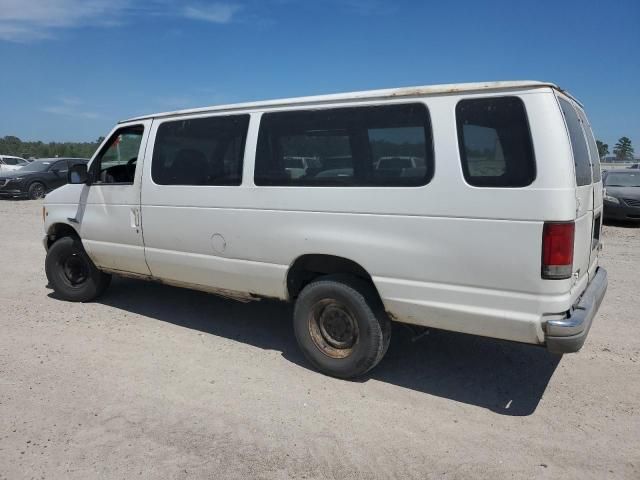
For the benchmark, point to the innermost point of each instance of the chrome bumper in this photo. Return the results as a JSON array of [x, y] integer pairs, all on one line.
[[567, 335]]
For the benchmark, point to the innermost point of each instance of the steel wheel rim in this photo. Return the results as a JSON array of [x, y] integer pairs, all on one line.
[[74, 270], [333, 328]]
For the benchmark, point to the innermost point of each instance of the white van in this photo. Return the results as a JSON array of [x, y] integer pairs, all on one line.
[[493, 227]]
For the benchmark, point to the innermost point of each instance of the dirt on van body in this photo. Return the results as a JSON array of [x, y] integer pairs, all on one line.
[[158, 382]]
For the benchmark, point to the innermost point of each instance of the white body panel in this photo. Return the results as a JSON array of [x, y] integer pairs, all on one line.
[[446, 255]]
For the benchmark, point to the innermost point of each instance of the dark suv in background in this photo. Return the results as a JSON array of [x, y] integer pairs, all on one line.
[[37, 178], [622, 195]]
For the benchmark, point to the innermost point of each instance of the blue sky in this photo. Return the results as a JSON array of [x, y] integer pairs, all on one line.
[[72, 68]]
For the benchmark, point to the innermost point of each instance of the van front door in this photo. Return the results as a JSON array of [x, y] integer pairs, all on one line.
[[109, 211]]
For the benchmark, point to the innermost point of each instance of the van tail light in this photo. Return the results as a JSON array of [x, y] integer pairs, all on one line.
[[557, 250]]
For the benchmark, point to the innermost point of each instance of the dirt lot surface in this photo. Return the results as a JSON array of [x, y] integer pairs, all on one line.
[[158, 382]]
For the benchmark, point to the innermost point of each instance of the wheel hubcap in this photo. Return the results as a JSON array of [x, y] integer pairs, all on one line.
[[333, 328], [38, 191]]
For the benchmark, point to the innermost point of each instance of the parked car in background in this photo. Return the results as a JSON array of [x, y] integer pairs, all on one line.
[[297, 167], [622, 195], [9, 163], [635, 166], [399, 166], [35, 179]]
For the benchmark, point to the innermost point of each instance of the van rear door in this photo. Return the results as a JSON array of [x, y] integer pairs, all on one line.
[[584, 189], [597, 191]]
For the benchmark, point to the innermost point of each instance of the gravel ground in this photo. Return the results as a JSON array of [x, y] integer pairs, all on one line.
[[159, 382]]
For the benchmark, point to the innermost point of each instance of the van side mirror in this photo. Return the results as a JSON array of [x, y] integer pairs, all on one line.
[[78, 174]]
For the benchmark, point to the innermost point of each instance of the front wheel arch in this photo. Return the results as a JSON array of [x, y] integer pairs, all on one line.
[[60, 230]]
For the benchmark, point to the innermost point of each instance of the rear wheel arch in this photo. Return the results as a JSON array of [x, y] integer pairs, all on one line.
[[309, 267]]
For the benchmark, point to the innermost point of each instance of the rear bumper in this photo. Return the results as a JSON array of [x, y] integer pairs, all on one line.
[[568, 335]]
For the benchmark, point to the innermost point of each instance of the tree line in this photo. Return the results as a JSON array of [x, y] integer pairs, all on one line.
[[623, 150], [11, 145]]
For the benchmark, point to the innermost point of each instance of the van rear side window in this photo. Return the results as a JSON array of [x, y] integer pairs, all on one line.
[[495, 142], [362, 146], [578, 144]]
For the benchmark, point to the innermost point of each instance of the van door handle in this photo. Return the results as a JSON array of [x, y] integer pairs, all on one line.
[[135, 218]]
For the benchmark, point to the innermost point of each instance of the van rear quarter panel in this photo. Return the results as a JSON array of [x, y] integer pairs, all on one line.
[[446, 255]]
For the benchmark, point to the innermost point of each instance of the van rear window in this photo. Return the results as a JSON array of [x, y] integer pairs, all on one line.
[[495, 142], [578, 144], [360, 146], [596, 172]]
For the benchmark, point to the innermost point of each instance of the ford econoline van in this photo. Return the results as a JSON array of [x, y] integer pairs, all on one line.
[[474, 208]]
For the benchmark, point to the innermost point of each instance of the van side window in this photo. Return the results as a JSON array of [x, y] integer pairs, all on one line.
[[495, 143], [578, 144], [387, 145], [596, 172], [200, 151], [116, 162]]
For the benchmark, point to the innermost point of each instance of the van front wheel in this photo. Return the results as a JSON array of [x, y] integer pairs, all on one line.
[[71, 272], [341, 326]]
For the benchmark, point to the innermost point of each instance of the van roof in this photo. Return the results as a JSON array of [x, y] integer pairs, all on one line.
[[362, 95]]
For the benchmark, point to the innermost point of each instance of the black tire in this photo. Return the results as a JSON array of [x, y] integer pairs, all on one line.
[[341, 326], [71, 272], [36, 190]]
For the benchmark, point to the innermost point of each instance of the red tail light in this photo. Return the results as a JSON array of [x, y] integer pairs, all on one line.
[[557, 250]]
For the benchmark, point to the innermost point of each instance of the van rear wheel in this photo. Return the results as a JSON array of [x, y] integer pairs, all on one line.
[[71, 272], [341, 326]]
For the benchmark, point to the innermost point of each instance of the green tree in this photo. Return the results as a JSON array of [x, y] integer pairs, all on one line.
[[603, 149], [11, 145], [623, 149]]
